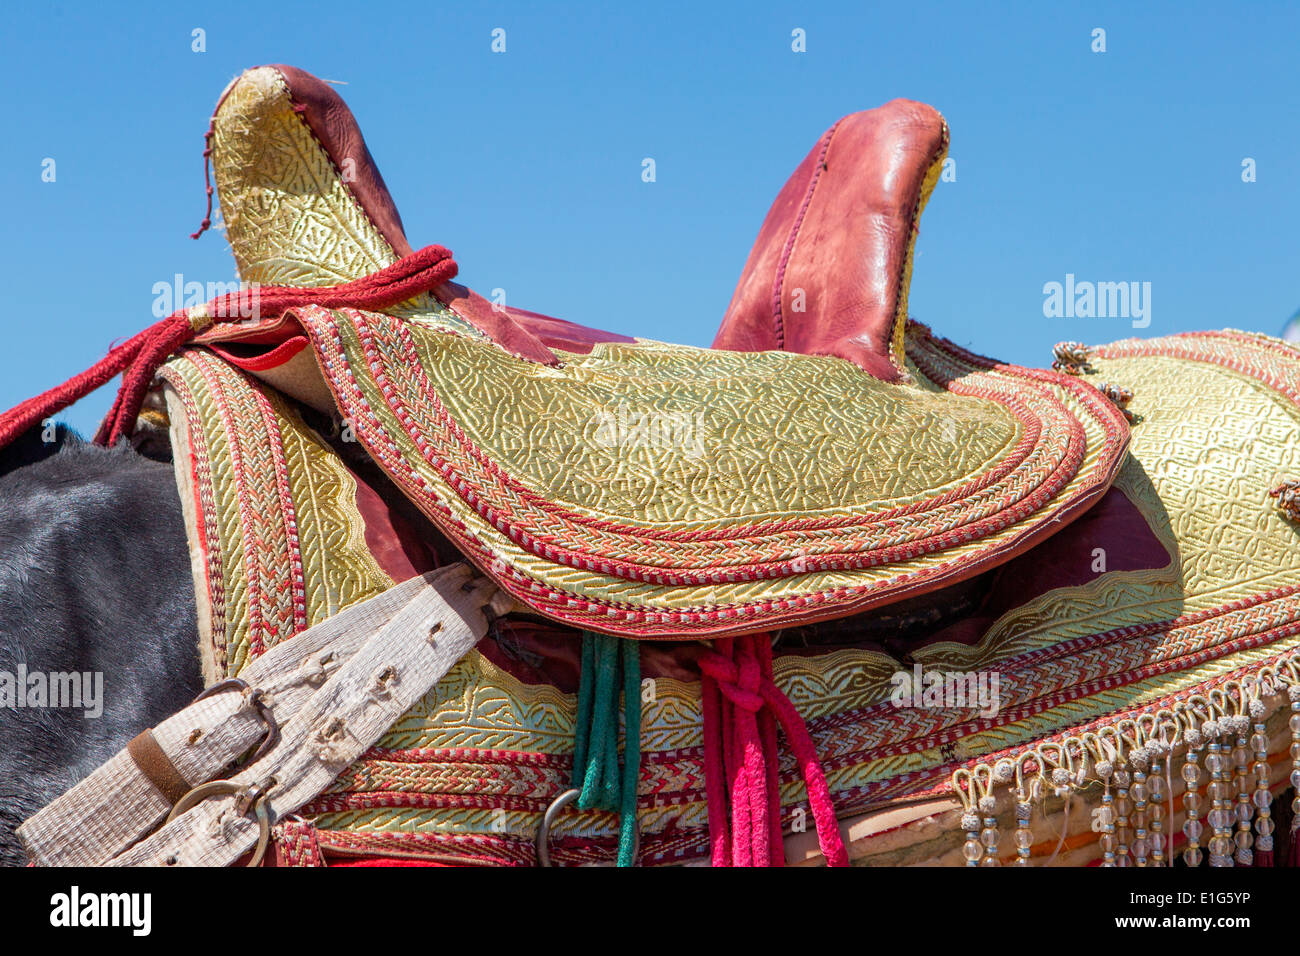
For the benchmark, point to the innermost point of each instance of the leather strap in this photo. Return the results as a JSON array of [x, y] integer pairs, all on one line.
[[157, 766], [118, 804], [351, 711]]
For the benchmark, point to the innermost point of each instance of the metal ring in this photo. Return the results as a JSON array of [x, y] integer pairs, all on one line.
[[542, 843], [253, 794], [230, 683], [226, 788], [214, 788], [263, 831], [256, 697]]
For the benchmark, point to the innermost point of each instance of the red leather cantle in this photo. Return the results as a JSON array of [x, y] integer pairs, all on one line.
[[828, 274]]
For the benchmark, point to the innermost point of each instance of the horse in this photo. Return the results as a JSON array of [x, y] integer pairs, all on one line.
[[94, 579]]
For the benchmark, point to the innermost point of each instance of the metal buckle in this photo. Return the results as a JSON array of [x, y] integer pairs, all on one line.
[[542, 843], [252, 797], [257, 698]]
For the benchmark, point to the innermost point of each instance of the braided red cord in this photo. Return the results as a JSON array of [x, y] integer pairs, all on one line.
[[140, 357], [819, 793], [207, 176], [740, 700], [165, 338], [735, 758]]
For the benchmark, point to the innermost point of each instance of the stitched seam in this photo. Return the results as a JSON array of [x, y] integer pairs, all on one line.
[[778, 286], [300, 114], [902, 279]]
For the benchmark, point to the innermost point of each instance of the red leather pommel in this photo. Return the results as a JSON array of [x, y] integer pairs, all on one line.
[[829, 272]]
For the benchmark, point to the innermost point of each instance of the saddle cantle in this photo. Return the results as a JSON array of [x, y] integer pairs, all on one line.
[[828, 459], [644, 489], [829, 272]]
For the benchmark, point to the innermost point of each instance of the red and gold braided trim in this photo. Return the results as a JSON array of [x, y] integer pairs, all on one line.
[[254, 565], [870, 753], [422, 447], [1271, 361]]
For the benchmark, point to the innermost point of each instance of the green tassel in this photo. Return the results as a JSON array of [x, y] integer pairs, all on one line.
[[631, 750], [608, 662]]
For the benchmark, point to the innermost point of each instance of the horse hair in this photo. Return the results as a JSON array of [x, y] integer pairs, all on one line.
[[94, 578]]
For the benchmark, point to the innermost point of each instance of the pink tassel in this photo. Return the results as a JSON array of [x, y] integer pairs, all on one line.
[[742, 708]]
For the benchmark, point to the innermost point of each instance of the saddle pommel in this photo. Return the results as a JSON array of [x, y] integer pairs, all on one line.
[[829, 272], [305, 205]]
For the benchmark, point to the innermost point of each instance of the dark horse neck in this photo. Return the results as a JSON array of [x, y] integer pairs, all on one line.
[[96, 603]]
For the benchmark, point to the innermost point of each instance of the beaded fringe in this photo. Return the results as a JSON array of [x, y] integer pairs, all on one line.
[[1196, 773]]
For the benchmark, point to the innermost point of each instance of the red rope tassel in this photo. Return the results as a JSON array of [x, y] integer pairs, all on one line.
[[206, 224], [33, 411], [742, 705], [139, 358]]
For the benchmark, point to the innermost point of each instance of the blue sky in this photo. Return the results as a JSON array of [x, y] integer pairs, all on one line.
[[1116, 166]]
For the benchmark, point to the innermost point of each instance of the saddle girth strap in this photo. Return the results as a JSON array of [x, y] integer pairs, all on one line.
[[354, 671]]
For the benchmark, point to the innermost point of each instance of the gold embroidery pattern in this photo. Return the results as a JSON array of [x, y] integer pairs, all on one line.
[[338, 567], [289, 217], [282, 506], [732, 594], [470, 768], [1120, 647], [255, 523]]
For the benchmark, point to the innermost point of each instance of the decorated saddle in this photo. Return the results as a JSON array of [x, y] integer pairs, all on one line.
[[834, 589]]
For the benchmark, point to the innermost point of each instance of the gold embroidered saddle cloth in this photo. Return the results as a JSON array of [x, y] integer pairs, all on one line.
[[888, 509]]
